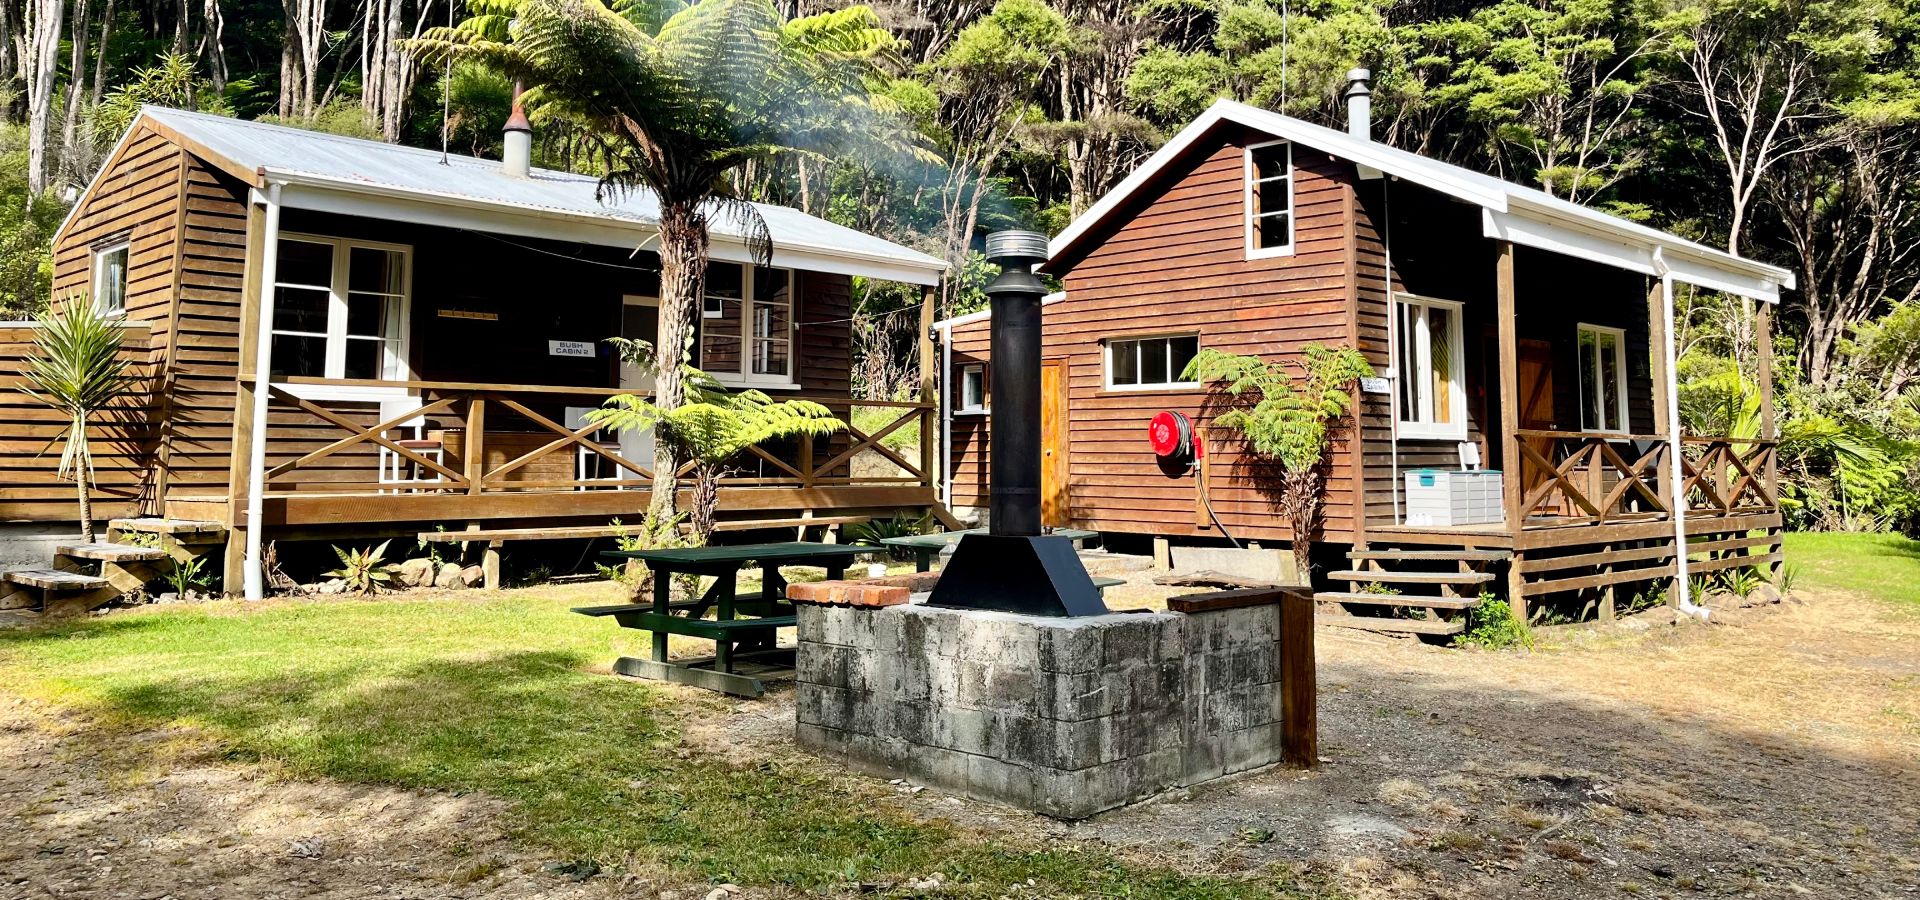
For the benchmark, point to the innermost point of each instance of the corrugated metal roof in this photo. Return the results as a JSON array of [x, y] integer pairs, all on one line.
[[1478, 188], [280, 152]]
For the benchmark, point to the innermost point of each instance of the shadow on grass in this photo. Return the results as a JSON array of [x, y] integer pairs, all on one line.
[[591, 767]]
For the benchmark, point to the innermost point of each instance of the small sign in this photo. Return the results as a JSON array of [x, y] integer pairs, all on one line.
[[475, 315], [580, 349], [1376, 386]]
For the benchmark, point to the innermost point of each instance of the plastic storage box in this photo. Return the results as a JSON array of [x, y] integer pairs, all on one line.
[[1445, 497]]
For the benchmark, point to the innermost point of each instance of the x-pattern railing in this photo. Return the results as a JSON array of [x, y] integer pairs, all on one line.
[[1592, 480], [1728, 475]]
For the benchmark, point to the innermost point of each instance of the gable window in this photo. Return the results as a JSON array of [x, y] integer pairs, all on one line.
[[1430, 370], [1269, 199], [747, 327], [973, 389], [110, 278], [340, 309], [1603, 378], [1153, 362]]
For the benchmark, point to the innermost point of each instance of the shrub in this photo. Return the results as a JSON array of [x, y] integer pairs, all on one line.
[[364, 571], [1493, 626]]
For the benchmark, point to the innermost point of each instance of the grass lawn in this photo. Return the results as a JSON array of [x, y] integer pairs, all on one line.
[[492, 694], [1886, 566]]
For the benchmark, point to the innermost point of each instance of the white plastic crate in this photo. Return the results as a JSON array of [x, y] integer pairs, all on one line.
[[1444, 497]]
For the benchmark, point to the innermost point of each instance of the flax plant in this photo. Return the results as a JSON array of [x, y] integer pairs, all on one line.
[[77, 369]]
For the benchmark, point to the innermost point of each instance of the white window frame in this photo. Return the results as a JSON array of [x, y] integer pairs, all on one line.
[[1455, 430], [1250, 202], [973, 390], [122, 245], [1108, 345], [749, 289], [1590, 380], [399, 365]]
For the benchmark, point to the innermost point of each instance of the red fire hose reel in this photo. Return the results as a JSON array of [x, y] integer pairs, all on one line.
[[1171, 435]]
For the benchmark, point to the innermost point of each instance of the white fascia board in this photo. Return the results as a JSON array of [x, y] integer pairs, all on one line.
[[323, 194], [1713, 278], [970, 318], [1702, 266], [1578, 243]]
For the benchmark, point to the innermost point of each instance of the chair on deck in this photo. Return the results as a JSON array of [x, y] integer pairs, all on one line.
[[399, 474]]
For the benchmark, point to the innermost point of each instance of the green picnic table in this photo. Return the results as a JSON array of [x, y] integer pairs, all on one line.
[[743, 630], [924, 546]]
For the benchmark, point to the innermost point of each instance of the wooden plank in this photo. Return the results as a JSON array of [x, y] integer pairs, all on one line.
[[1416, 601], [1382, 623], [1586, 582], [1213, 601], [1383, 576], [1299, 682], [352, 509], [1733, 562], [1431, 555], [1537, 564]]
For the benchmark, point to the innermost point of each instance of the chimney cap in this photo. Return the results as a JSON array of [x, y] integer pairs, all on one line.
[[1359, 81], [518, 121], [1007, 247]]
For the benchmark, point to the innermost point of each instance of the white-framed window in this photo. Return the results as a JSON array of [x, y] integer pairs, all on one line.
[[1269, 201], [1150, 362], [110, 262], [973, 388], [747, 328], [1431, 370], [340, 308], [1603, 378]]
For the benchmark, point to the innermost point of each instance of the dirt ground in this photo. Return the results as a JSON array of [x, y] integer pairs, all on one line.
[[1777, 756]]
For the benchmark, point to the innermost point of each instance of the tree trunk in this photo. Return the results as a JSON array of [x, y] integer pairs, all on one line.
[[683, 269], [1300, 502], [83, 475], [100, 54], [40, 65], [76, 88], [706, 499]]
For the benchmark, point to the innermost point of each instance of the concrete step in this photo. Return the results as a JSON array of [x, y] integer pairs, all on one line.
[[1407, 626], [1385, 577], [1432, 555], [54, 580], [1417, 601], [120, 553]]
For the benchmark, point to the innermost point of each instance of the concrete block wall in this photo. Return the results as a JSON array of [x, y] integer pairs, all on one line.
[[1066, 717]]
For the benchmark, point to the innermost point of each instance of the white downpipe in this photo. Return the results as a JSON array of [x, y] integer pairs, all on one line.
[[946, 417], [1681, 588], [256, 576]]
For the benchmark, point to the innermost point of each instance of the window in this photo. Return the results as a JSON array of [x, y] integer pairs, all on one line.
[[340, 309], [973, 389], [746, 328], [110, 278], [1603, 378], [1430, 370], [1155, 362], [1269, 199]]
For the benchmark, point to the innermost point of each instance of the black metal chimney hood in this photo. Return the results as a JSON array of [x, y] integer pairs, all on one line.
[[1016, 567]]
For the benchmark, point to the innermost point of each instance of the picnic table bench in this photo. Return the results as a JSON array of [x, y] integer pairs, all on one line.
[[736, 640], [924, 546]]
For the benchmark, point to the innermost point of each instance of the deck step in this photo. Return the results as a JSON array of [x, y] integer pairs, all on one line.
[[119, 553], [176, 527], [1411, 626], [1388, 577], [1420, 601], [54, 580], [1432, 555]]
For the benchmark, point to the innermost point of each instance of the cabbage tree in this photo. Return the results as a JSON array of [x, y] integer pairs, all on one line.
[[77, 369]]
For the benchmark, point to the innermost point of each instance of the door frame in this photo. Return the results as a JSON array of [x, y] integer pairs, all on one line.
[[1056, 417]]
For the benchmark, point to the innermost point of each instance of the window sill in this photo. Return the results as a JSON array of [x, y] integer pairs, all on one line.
[[1192, 388], [1454, 437], [738, 383], [971, 413], [345, 392]]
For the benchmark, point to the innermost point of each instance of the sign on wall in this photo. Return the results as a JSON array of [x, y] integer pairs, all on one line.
[[578, 349]]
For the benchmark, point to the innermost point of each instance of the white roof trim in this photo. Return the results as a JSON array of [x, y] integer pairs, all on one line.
[[1515, 212], [969, 318]]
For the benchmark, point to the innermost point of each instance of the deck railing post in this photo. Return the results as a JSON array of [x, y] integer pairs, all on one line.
[[1510, 462], [806, 457], [473, 445], [927, 444]]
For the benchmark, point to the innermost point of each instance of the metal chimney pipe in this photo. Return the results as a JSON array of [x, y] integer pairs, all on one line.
[[516, 158], [1359, 96], [1015, 456]]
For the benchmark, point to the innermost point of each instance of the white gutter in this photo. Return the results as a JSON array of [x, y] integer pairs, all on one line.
[[1682, 590], [262, 365]]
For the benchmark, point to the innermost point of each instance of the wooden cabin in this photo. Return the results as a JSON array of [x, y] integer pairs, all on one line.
[[427, 332], [1523, 352]]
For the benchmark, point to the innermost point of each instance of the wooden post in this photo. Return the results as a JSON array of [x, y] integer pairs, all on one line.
[[929, 394], [1299, 681], [1509, 362], [473, 445], [1763, 336], [234, 560]]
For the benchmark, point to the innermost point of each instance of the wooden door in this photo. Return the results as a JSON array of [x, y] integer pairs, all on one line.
[[1054, 507], [1535, 381]]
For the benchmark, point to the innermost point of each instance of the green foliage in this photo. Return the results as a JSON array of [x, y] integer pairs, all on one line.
[[77, 370], [171, 81], [190, 577], [364, 571], [27, 223], [716, 424], [1741, 581], [873, 531], [1493, 626], [344, 117], [1785, 577], [1285, 421]]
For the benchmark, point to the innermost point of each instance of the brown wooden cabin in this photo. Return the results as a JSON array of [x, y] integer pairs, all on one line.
[[1502, 323], [436, 329]]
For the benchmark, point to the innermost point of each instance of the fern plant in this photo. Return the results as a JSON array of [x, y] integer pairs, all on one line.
[[873, 532], [1287, 420], [711, 428], [364, 571]]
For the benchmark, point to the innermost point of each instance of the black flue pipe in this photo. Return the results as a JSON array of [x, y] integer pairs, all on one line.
[[1015, 458]]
